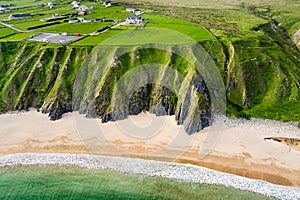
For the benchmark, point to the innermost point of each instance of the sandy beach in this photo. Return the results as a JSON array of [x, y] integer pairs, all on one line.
[[236, 150]]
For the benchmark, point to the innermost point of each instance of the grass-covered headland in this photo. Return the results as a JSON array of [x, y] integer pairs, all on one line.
[[252, 45]]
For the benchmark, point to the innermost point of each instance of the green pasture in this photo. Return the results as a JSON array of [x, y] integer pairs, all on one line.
[[117, 12], [18, 36], [82, 28], [4, 32], [194, 31], [97, 39], [25, 26]]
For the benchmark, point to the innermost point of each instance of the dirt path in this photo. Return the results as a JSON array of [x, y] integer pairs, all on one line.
[[13, 28]]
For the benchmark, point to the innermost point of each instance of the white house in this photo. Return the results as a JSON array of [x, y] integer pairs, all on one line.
[[75, 3], [84, 20], [2, 9], [138, 12], [135, 11], [83, 8], [55, 16], [49, 5], [110, 4], [134, 20], [87, 20]]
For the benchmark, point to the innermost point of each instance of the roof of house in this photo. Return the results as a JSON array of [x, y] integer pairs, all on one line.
[[75, 2], [21, 15], [83, 8], [133, 17], [131, 9]]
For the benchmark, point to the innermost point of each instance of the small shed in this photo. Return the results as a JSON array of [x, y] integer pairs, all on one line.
[[72, 21], [130, 10]]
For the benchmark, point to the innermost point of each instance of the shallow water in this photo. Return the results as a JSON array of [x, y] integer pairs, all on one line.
[[68, 182]]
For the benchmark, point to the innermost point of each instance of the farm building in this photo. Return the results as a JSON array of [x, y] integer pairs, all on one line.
[[110, 4], [56, 16], [19, 16], [84, 20], [130, 10], [75, 3], [83, 8], [87, 20], [135, 11], [134, 20], [100, 19], [49, 5], [2, 9], [7, 5], [81, 13], [72, 21], [138, 12]]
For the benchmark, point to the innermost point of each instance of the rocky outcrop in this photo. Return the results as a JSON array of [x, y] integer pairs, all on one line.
[[296, 39]]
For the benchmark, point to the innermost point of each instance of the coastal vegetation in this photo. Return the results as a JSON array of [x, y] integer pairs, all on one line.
[[250, 43]]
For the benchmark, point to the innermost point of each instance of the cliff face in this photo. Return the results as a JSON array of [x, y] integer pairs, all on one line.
[[33, 75], [57, 80], [117, 84]]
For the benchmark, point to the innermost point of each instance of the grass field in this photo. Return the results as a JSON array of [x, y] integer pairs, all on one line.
[[54, 182], [4, 32], [82, 28], [26, 25], [23, 3], [194, 31], [159, 30], [117, 12], [95, 40], [149, 35], [18, 37]]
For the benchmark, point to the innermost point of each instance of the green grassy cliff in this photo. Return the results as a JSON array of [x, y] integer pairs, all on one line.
[[56, 80], [253, 50], [36, 75]]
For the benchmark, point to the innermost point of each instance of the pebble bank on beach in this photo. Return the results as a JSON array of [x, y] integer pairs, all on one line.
[[184, 172], [271, 127]]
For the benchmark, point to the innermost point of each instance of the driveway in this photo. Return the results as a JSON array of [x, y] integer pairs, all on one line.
[[12, 27]]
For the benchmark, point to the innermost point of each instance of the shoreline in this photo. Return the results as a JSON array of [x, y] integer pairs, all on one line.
[[237, 151], [184, 172]]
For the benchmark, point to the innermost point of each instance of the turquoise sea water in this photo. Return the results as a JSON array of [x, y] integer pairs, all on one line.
[[68, 182]]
